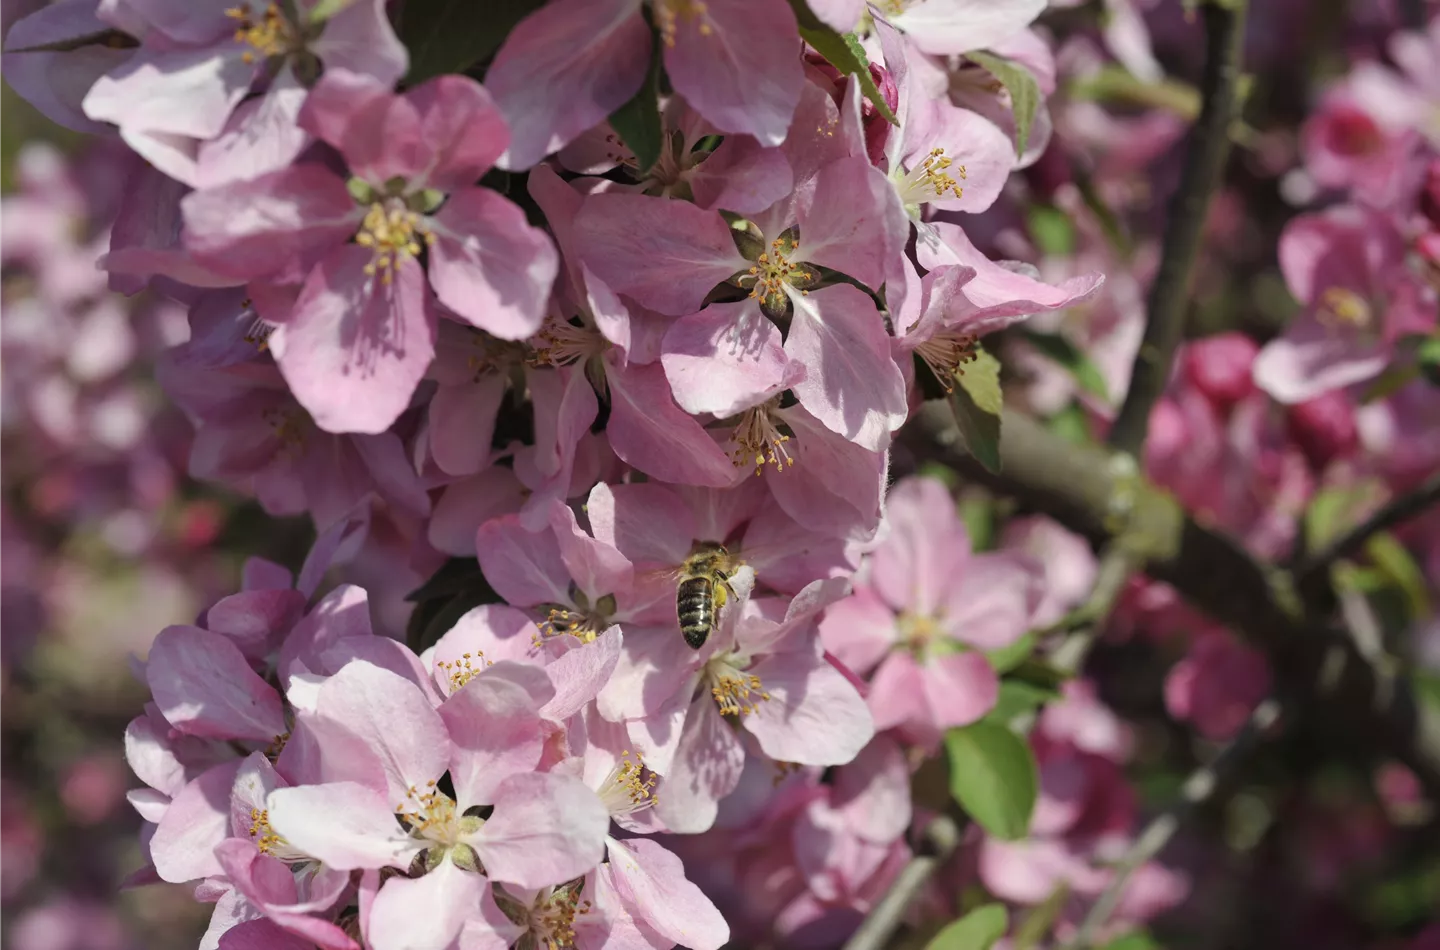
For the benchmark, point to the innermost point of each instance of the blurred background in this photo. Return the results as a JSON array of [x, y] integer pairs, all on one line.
[[105, 540]]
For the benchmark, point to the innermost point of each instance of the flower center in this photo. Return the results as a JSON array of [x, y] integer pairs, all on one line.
[[669, 14], [931, 180], [258, 333], [919, 630], [580, 619], [462, 670], [288, 425], [562, 343], [736, 692], [393, 233], [271, 843], [268, 35], [946, 353], [758, 439], [430, 814], [774, 269], [552, 920], [1345, 309], [630, 787]]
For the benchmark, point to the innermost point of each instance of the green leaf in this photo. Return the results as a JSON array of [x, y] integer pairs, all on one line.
[[450, 36], [1427, 356], [1137, 940], [993, 777], [1017, 698], [1024, 91], [844, 52], [976, 402], [1051, 229], [977, 930], [1058, 347], [1007, 658], [637, 122], [977, 511], [1334, 510], [1031, 931], [1392, 558]]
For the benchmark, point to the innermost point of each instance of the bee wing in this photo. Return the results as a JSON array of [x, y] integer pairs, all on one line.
[[659, 574]]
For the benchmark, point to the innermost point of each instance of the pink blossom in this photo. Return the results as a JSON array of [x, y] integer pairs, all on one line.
[[568, 65], [357, 340], [924, 607], [1217, 685]]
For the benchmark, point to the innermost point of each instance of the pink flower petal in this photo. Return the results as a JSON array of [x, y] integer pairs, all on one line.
[[546, 829], [647, 430], [1311, 359], [926, 551], [495, 728], [649, 523], [725, 358], [959, 688], [580, 674], [852, 384], [742, 176], [851, 219], [897, 692], [205, 687], [737, 63], [652, 881], [489, 265], [427, 912], [379, 133], [813, 717], [183, 846], [666, 254], [360, 39], [344, 825], [524, 567], [706, 768], [564, 68], [357, 347], [958, 26], [56, 82]]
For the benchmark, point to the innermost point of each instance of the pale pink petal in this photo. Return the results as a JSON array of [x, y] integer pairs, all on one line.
[[462, 423], [835, 486], [706, 768], [842, 15], [344, 825], [467, 504], [463, 130], [489, 633], [960, 688], [274, 225], [974, 143], [524, 567], [394, 720], [652, 880], [1311, 359], [742, 176], [813, 716], [654, 665], [546, 829], [725, 358], [378, 133], [152, 758], [737, 63], [564, 68], [647, 430], [489, 265], [357, 346], [495, 728], [580, 674], [360, 39], [666, 254], [957, 26], [872, 793], [262, 136], [424, 913], [261, 934], [256, 620], [897, 692], [648, 522], [183, 846], [205, 687], [993, 601], [852, 384], [851, 219], [927, 550]]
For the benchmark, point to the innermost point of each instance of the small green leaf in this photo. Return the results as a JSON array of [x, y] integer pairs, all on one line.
[[325, 9], [1427, 356], [844, 52], [1017, 698], [976, 402], [1024, 91], [993, 777], [1007, 658], [1399, 566], [1137, 940], [450, 36], [1334, 510], [977, 930], [1057, 347], [1051, 229], [637, 122], [977, 511]]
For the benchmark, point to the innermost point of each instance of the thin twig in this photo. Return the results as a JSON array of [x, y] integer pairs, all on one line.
[[1197, 788], [1209, 148], [939, 841], [1397, 510]]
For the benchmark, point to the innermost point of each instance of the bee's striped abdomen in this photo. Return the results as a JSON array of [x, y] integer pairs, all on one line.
[[695, 609]]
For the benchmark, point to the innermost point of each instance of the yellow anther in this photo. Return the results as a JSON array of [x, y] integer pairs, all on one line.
[[670, 14], [931, 180], [392, 232], [946, 353], [264, 836], [463, 670], [738, 694], [1342, 307], [758, 439], [269, 34]]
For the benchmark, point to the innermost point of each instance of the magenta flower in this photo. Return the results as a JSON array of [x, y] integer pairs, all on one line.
[[923, 612], [361, 333], [1217, 685], [1347, 267], [568, 65]]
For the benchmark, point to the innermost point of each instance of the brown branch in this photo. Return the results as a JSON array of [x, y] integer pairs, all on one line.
[[1209, 147]]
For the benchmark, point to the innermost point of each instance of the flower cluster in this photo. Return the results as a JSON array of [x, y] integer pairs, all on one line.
[[648, 387]]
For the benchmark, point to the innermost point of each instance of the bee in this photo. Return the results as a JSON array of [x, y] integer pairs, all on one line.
[[703, 589]]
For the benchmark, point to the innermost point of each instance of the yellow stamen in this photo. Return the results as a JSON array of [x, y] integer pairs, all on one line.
[[394, 233], [463, 671], [931, 180], [946, 353], [268, 35], [758, 439], [670, 14]]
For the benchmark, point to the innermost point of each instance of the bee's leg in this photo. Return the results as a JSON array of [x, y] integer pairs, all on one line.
[[722, 591]]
